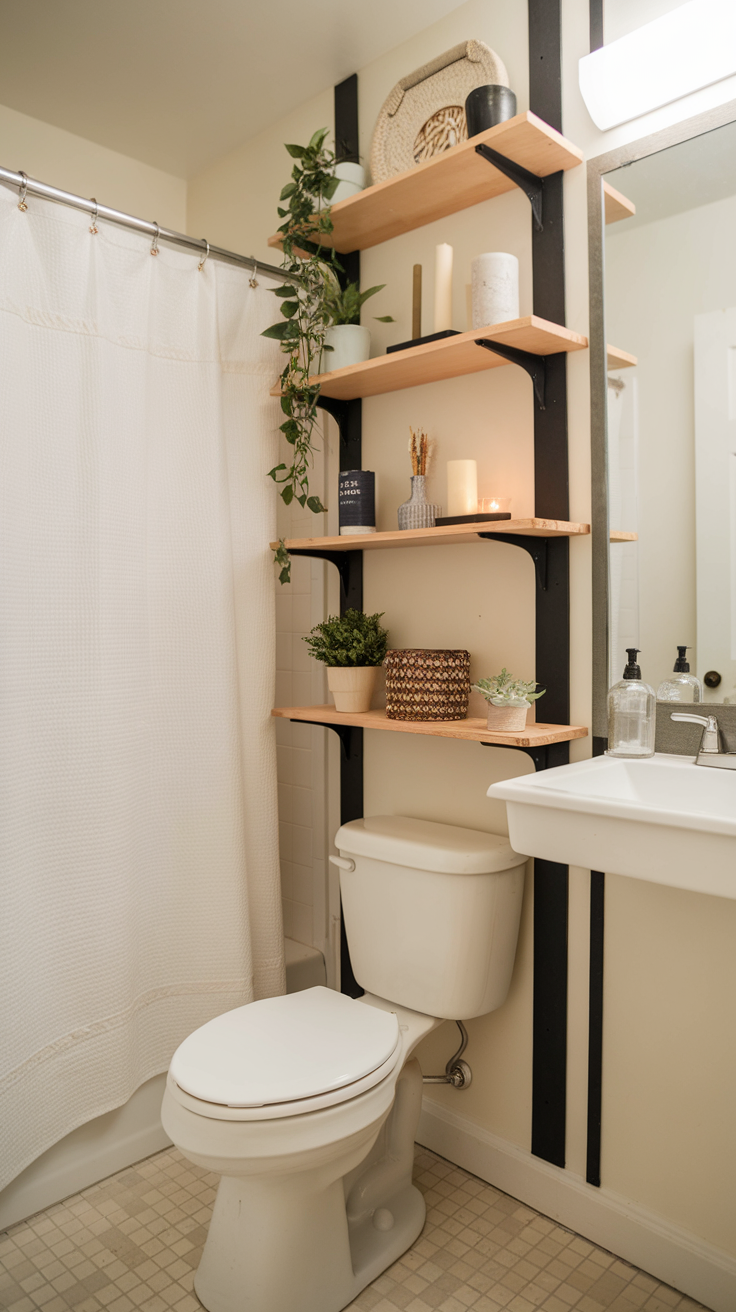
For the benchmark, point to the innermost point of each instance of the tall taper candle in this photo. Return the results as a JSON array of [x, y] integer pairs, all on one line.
[[443, 288], [416, 303], [462, 487]]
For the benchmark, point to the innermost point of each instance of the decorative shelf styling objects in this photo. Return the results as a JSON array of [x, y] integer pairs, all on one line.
[[352, 646], [494, 282], [424, 114], [356, 502], [508, 700], [418, 512], [447, 183], [473, 729], [488, 106], [424, 684], [531, 337]]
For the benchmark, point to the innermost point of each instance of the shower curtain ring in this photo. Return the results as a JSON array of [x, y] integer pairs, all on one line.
[[204, 258], [22, 191], [253, 281], [154, 247], [93, 226]]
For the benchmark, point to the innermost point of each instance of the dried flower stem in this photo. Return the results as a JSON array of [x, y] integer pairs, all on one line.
[[419, 451]]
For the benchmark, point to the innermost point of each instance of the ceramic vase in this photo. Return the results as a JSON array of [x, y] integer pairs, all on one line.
[[352, 686], [418, 512], [507, 719], [495, 288], [351, 179], [351, 344]]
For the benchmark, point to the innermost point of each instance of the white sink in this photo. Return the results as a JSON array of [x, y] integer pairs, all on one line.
[[663, 819]]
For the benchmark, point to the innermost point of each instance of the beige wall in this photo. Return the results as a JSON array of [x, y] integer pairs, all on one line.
[[73, 164], [667, 1137]]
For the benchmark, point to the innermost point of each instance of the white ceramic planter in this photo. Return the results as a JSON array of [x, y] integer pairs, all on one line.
[[352, 686], [350, 342], [507, 719], [351, 180]]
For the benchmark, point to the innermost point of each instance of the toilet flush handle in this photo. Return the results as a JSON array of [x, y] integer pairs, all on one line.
[[343, 862]]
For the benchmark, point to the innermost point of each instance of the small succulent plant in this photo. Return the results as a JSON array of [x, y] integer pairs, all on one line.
[[504, 690]]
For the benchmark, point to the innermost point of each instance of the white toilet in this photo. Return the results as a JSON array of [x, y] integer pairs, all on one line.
[[307, 1105]]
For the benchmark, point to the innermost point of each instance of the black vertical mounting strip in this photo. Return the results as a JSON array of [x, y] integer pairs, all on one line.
[[595, 1026], [595, 1012], [549, 1076], [535, 365], [349, 419], [596, 25], [530, 184]]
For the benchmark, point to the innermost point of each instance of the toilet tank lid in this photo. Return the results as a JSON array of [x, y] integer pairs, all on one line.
[[426, 845]]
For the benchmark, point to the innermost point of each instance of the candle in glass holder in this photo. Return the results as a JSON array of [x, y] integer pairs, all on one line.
[[462, 487], [494, 505]]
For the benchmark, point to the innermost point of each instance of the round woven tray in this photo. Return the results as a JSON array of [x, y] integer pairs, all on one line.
[[424, 684]]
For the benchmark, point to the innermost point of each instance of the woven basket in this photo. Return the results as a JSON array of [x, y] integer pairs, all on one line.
[[427, 685]]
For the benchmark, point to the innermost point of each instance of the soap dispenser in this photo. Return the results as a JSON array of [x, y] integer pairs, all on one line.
[[682, 686], [632, 709]]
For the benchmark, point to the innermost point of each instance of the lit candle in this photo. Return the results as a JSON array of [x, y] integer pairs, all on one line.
[[443, 288], [462, 487]]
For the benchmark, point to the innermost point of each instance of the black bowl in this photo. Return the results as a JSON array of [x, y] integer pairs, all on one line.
[[487, 106]]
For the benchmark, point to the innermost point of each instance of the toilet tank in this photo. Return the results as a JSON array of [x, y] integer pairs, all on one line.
[[431, 913]]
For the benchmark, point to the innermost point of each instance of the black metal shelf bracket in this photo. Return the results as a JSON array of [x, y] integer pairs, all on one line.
[[338, 410], [345, 732], [537, 548], [535, 365], [349, 565], [530, 184], [539, 755]]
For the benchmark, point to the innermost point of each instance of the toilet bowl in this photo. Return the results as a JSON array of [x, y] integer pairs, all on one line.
[[307, 1105]]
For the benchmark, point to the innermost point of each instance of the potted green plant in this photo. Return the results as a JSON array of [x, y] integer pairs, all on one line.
[[352, 646], [347, 340], [508, 699]]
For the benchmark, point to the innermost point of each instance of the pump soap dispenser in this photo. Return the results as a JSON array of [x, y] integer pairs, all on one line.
[[632, 709], [683, 686]]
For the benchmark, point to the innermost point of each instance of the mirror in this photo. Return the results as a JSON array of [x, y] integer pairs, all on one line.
[[664, 423]]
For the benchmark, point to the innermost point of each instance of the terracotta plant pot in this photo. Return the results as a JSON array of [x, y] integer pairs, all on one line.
[[352, 686], [506, 719]]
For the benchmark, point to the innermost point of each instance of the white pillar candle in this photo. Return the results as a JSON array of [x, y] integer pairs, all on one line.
[[462, 487], [443, 288], [495, 284]]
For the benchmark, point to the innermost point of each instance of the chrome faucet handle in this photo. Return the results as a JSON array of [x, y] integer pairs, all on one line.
[[710, 741]]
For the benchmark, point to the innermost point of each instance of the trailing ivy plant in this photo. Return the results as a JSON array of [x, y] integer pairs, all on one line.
[[343, 305], [305, 211]]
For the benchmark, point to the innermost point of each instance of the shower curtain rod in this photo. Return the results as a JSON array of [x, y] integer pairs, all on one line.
[[31, 187]]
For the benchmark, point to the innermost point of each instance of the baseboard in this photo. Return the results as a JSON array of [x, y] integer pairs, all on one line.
[[639, 1236], [96, 1150]]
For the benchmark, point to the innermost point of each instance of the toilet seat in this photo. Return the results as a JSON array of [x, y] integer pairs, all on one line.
[[285, 1056]]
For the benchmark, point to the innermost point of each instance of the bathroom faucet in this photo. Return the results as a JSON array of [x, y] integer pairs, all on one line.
[[710, 751]]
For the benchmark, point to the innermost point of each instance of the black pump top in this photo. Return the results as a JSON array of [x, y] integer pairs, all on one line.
[[682, 664], [632, 670]]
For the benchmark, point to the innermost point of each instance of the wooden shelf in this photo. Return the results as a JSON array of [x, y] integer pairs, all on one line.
[[448, 535], [616, 205], [451, 357], [447, 183], [618, 359], [472, 730]]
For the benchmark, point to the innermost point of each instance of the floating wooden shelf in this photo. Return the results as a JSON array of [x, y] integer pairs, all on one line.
[[618, 359], [448, 535], [451, 357], [472, 730], [616, 205], [447, 183]]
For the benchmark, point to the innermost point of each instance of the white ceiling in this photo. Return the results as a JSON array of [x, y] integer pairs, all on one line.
[[178, 83]]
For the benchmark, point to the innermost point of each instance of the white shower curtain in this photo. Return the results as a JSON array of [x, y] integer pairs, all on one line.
[[138, 853]]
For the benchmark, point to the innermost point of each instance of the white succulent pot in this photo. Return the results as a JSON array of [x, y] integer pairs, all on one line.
[[351, 180], [351, 344], [507, 719], [352, 686]]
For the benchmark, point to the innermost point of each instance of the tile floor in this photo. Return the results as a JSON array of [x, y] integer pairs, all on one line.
[[134, 1241]]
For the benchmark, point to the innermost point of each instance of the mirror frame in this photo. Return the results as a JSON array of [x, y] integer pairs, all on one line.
[[597, 168]]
